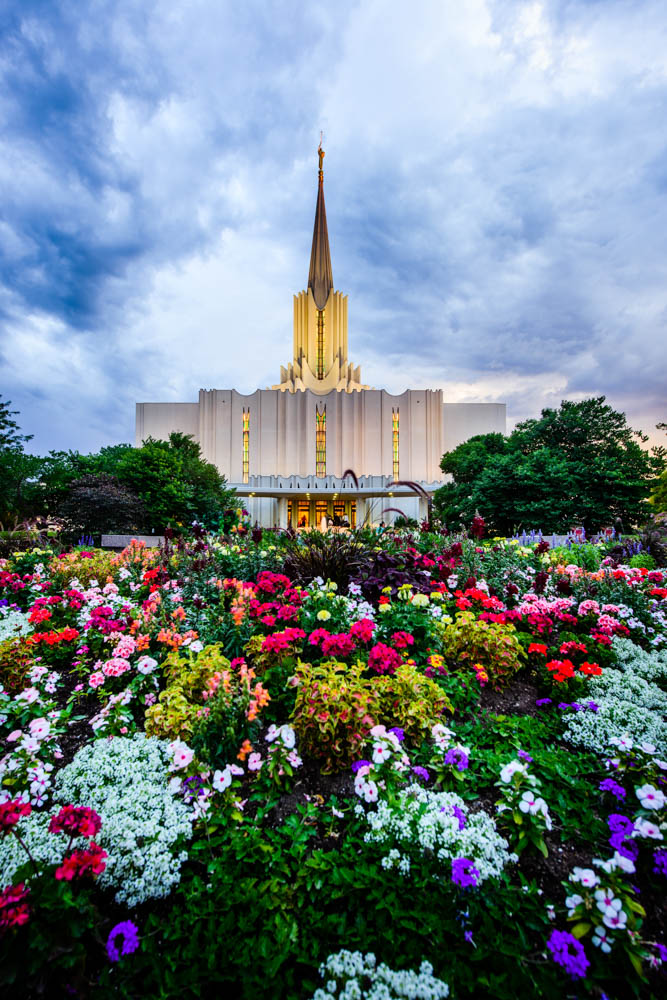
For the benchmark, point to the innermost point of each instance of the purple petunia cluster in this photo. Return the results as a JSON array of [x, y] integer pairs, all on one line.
[[457, 757], [609, 785], [568, 952], [123, 940], [464, 873]]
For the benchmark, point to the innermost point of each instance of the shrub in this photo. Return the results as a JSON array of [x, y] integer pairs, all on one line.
[[336, 708], [411, 701], [330, 556], [494, 646], [81, 565], [642, 561]]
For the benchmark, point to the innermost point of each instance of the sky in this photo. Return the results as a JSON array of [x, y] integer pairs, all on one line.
[[495, 182]]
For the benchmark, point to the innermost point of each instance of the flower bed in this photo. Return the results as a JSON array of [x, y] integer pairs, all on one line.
[[439, 770]]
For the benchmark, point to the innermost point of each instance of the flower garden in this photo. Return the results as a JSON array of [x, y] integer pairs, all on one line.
[[409, 765]]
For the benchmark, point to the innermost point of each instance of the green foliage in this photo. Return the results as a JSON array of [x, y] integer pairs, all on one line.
[[95, 565], [496, 647], [578, 464], [411, 701], [586, 555], [642, 561]]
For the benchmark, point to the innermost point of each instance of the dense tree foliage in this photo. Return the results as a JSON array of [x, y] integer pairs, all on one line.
[[146, 488], [579, 464]]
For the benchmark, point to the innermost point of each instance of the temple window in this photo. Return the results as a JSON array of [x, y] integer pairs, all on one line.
[[246, 445], [394, 442], [321, 442]]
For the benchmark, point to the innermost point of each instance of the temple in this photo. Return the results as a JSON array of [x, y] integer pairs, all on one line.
[[289, 449]]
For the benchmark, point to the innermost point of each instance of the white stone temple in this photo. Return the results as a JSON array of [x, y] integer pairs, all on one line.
[[289, 449]]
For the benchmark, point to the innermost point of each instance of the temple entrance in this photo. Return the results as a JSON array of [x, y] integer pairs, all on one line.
[[307, 512]]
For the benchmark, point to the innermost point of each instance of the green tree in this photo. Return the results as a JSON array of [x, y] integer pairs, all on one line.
[[580, 464], [9, 429], [97, 503]]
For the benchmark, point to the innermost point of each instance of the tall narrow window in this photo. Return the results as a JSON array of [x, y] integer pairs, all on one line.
[[246, 445], [321, 442], [320, 343], [394, 442]]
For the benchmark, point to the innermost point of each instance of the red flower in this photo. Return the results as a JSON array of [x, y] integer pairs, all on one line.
[[11, 813], [340, 644], [14, 911], [538, 647], [81, 862], [77, 821], [383, 659], [402, 640], [591, 669], [363, 629], [562, 669]]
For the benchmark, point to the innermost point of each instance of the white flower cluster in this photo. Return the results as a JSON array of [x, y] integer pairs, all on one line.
[[46, 848], [353, 976], [125, 781], [438, 824], [651, 666], [13, 623], [627, 686], [594, 730]]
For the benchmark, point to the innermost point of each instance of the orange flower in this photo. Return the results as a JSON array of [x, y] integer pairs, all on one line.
[[246, 748]]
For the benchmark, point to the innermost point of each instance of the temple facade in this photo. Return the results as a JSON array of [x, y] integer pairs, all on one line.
[[289, 450]]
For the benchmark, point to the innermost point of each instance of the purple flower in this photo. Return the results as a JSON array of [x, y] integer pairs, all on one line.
[[609, 785], [398, 733], [468, 937], [421, 772], [123, 940], [563, 705], [620, 824], [464, 873], [522, 755], [660, 862], [543, 701], [460, 815], [359, 764], [576, 706], [458, 757], [592, 706], [568, 952]]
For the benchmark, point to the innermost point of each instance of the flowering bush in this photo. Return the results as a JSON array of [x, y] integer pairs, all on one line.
[[436, 828], [353, 976], [143, 824]]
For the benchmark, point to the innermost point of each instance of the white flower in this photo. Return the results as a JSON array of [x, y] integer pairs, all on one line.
[[371, 792], [40, 728], [183, 755], [607, 902], [625, 864], [586, 876], [288, 736], [644, 828], [623, 742], [146, 664], [254, 762], [616, 919], [650, 797], [381, 753], [196, 646], [514, 767], [572, 902], [222, 780], [420, 601], [602, 940]]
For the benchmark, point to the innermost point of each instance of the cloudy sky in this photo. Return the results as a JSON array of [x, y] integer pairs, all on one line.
[[495, 180]]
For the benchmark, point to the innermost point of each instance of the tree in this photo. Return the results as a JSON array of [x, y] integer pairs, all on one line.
[[659, 496], [580, 464], [98, 503], [173, 481], [9, 429]]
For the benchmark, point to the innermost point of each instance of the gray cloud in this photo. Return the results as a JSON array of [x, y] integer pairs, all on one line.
[[495, 181]]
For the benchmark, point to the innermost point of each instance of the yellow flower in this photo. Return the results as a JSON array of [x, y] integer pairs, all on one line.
[[323, 615], [420, 601]]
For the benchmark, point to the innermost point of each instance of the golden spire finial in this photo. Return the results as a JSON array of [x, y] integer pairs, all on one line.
[[320, 151]]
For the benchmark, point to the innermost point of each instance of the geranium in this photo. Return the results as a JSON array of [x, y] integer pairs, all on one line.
[[11, 812], [14, 911], [383, 659], [340, 644], [77, 821], [402, 640], [562, 669], [81, 862], [122, 940], [363, 629]]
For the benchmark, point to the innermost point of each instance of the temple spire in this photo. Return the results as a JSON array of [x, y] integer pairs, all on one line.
[[320, 276]]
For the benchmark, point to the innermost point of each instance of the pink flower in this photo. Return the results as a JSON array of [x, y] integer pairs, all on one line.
[[95, 680], [14, 736]]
